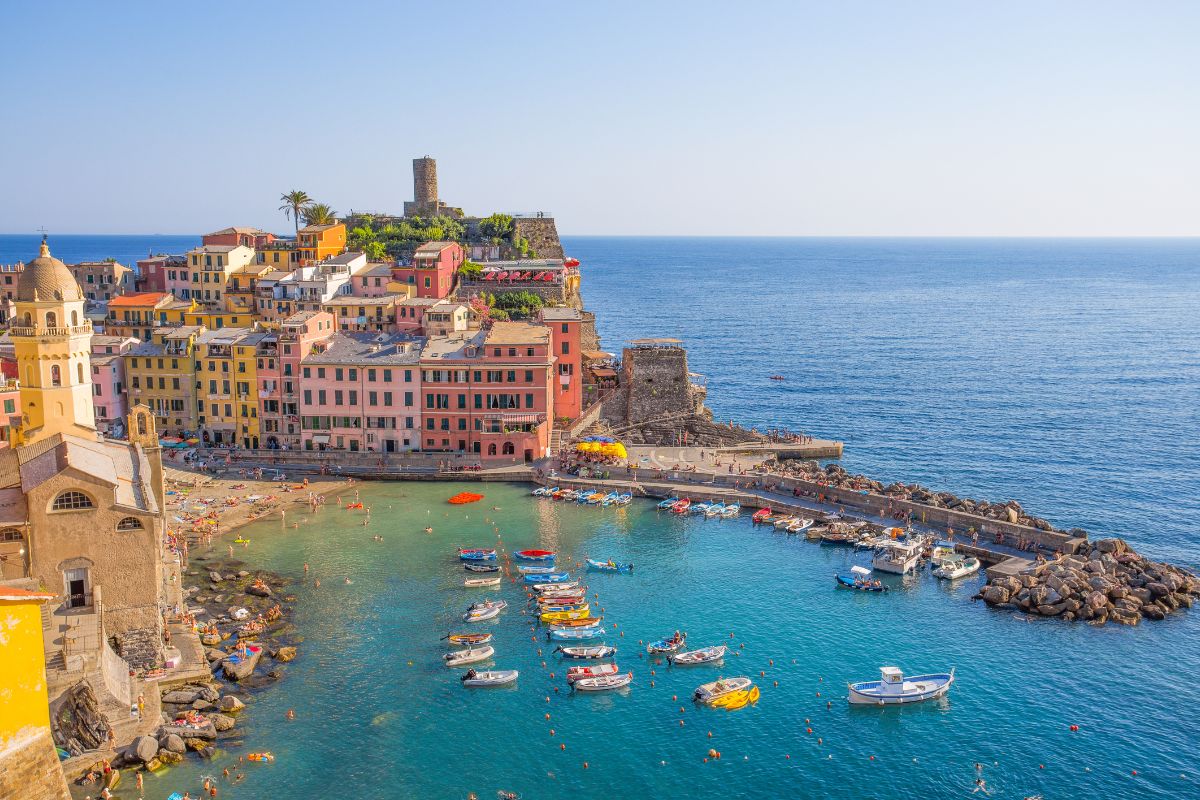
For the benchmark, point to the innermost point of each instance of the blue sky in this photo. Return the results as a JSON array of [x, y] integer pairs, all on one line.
[[791, 118]]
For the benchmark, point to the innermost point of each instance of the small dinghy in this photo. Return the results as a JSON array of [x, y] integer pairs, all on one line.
[[782, 522], [477, 554], [762, 516], [482, 581], [593, 652], [598, 671], [603, 684], [668, 645], [469, 638], [535, 570], [951, 570], [583, 612], [483, 611], [481, 567], [624, 499], [798, 525], [502, 677], [682, 506], [546, 589], [860, 580], [731, 510], [535, 555], [575, 624], [575, 634], [670, 501], [705, 655], [547, 577], [567, 599], [715, 510], [894, 689], [709, 692], [609, 566], [472, 656], [485, 604], [544, 491]]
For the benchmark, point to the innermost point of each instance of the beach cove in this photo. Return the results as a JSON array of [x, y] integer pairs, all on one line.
[[371, 722]]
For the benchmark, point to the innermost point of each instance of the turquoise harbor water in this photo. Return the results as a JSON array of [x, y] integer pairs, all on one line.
[[1064, 373], [371, 725]]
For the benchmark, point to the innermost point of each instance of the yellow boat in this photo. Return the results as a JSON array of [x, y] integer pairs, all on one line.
[[576, 613], [739, 699]]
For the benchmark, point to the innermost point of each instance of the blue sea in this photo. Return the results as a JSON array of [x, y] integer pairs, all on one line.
[[1062, 373]]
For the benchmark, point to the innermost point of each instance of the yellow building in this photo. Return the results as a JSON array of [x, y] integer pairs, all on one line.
[[212, 264], [52, 342], [215, 320], [138, 314], [29, 766], [161, 373], [227, 386]]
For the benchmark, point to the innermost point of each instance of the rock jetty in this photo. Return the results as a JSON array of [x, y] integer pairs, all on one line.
[[1108, 583]]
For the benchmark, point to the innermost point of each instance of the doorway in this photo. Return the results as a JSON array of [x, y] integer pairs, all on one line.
[[77, 588]]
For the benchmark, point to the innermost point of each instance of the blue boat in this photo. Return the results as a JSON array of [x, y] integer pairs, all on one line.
[[547, 577], [575, 634], [859, 580], [609, 566], [670, 501], [477, 554]]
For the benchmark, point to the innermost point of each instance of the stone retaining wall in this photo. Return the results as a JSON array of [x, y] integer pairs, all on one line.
[[542, 234], [29, 769]]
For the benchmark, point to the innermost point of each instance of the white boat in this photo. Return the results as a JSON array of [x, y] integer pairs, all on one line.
[[594, 651], [698, 508], [552, 588], [942, 552], [482, 581], [486, 604], [472, 656], [784, 522], [899, 557], [602, 684], [893, 689], [481, 612], [950, 570], [542, 491], [705, 655], [591, 671], [798, 525], [536, 570], [731, 510], [715, 510], [708, 692], [501, 677]]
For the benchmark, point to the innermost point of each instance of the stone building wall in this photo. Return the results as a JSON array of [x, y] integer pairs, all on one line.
[[29, 770], [542, 234], [425, 183]]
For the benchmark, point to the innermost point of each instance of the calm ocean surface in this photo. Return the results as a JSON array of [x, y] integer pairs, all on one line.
[[1063, 373]]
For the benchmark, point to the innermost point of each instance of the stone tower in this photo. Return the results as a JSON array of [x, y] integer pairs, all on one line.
[[52, 342], [425, 188]]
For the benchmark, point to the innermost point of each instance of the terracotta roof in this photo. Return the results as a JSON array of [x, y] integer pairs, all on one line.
[[517, 333], [433, 248], [138, 299], [47, 278], [13, 593]]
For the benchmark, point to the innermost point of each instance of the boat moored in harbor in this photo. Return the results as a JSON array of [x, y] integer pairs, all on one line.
[[898, 557], [894, 689]]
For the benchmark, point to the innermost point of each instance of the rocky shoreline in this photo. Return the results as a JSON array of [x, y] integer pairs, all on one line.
[[1108, 583]]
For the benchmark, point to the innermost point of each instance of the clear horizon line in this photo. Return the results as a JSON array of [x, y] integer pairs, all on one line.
[[745, 235]]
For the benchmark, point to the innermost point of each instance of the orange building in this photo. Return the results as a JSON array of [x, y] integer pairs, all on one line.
[[319, 242]]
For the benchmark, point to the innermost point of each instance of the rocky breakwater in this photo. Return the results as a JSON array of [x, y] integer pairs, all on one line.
[[836, 476], [1107, 583]]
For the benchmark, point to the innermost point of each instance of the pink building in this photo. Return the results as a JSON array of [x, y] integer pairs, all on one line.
[[371, 280], [278, 367], [564, 325], [364, 314], [360, 392], [10, 410], [152, 272], [410, 313], [108, 394], [489, 393], [433, 267], [246, 237]]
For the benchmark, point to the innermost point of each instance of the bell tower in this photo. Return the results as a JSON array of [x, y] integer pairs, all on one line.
[[52, 343]]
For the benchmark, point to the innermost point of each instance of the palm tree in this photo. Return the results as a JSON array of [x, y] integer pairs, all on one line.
[[294, 203], [318, 214]]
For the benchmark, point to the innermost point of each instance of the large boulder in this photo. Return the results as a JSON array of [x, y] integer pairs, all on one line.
[[222, 722], [144, 747], [1158, 589], [259, 590], [230, 704], [285, 654], [168, 757], [208, 693], [172, 743], [181, 696], [994, 595]]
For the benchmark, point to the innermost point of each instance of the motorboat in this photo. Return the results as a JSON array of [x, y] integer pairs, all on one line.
[[705, 655], [486, 678], [472, 656], [950, 570], [592, 652], [943, 552], [482, 615], [472, 582], [547, 577], [603, 684], [481, 567], [544, 491], [665, 504], [781, 523], [798, 525], [546, 589], [535, 555], [668, 645], [477, 554], [894, 689], [731, 510], [869, 542], [709, 692], [682, 506], [899, 557], [609, 566], [483, 605], [469, 638], [860, 580], [575, 634], [596, 671]]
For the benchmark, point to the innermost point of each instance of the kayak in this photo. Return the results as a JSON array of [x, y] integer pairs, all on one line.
[[489, 678], [548, 577], [535, 555], [469, 638], [704, 655], [265, 757], [471, 656], [603, 684], [609, 566], [597, 671], [481, 567], [575, 634], [666, 645], [482, 581], [708, 692], [594, 651]]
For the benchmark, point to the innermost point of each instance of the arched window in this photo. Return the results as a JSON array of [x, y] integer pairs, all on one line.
[[74, 318], [55, 375], [492, 449], [72, 501], [509, 449], [79, 371], [28, 320], [51, 319], [130, 524], [11, 535]]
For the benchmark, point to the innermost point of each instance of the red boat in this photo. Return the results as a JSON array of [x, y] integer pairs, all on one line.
[[762, 515], [535, 555], [597, 671], [682, 506]]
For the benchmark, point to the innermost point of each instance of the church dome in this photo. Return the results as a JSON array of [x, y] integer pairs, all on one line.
[[47, 278]]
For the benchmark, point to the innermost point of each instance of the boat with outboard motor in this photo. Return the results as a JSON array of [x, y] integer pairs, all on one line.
[[609, 566], [667, 645], [709, 692], [588, 652], [502, 677], [899, 557], [961, 568], [798, 525], [472, 656], [705, 655], [547, 577], [591, 671], [860, 580], [477, 553], [603, 684], [894, 689], [476, 582]]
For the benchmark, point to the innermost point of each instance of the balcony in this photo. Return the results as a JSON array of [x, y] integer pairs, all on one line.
[[51, 333]]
